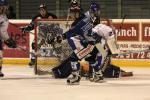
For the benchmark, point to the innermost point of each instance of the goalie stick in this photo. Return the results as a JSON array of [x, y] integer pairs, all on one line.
[[21, 48]]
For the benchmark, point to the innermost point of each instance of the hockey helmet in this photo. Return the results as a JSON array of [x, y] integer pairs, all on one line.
[[75, 6], [94, 7], [42, 6], [3, 2]]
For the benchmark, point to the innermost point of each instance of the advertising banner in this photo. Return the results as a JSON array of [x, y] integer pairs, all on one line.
[[133, 35], [22, 40]]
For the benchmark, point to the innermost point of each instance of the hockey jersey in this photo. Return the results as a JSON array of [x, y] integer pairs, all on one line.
[[82, 27], [103, 31], [3, 27]]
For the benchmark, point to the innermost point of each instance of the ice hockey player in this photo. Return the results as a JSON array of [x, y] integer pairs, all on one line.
[[80, 32], [3, 31], [107, 34], [109, 70], [43, 14], [75, 9]]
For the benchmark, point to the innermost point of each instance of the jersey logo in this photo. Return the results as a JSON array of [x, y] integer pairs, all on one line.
[[81, 54]]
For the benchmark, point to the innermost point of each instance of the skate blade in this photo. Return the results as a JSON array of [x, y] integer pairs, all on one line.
[[72, 83], [91, 79], [75, 83], [100, 81]]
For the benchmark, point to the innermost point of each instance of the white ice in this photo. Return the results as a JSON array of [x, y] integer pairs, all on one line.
[[21, 84]]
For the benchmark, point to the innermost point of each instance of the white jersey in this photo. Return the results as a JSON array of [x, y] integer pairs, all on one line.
[[106, 32], [3, 27], [103, 31]]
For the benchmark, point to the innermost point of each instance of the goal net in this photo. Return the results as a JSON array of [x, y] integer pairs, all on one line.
[[50, 46], [51, 49]]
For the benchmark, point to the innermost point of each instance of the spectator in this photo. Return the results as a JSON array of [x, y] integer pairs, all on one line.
[[11, 14]]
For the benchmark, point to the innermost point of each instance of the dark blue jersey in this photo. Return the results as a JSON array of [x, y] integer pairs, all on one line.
[[82, 27]]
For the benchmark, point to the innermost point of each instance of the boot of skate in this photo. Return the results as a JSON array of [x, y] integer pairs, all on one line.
[[74, 78], [1, 74], [98, 76]]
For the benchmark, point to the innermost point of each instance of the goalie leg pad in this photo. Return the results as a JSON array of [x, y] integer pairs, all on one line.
[[111, 42]]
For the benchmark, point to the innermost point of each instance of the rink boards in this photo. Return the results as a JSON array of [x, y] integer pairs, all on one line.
[[133, 34], [54, 61]]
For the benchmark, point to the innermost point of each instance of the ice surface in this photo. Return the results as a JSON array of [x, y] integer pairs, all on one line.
[[21, 84]]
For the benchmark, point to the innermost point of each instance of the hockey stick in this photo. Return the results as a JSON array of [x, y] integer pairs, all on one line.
[[18, 27], [129, 52], [68, 14], [23, 77], [21, 48], [123, 19], [120, 28], [24, 50]]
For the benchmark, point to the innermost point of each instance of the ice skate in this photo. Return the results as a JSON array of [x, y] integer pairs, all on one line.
[[91, 76], [1, 74], [91, 79], [31, 64], [98, 78], [73, 79]]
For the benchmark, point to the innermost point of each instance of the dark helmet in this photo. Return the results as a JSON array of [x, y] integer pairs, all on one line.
[[3, 2], [72, 1], [42, 6], [75, 6], [94, 7]]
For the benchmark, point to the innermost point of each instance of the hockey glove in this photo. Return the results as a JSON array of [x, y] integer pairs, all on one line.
[[10, 43], [84, 42], [25, 29]]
